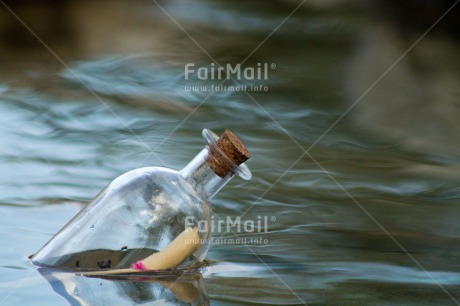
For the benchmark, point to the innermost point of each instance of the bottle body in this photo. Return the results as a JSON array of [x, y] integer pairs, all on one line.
[[144, 210]]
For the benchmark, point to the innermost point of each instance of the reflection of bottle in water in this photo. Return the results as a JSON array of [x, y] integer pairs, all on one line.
[[187, 289], [144, 210]]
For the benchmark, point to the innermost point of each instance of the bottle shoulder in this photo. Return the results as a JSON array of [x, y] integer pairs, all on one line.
[[146, 175], [155, 182], [149, 171]]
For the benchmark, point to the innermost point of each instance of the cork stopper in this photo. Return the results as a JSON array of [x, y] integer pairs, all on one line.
[[234, 150]]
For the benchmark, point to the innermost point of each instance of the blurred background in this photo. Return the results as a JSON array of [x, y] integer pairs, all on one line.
[[90, 90]]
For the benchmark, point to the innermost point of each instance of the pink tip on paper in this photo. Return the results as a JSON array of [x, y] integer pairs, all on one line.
[[139, 266]]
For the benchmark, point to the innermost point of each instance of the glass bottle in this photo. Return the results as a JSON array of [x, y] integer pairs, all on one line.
[[142, 211]]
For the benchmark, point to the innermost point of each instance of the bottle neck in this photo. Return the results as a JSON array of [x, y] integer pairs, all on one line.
[[202, 178]]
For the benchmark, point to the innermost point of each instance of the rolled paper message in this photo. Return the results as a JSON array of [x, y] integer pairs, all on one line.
[[170, 257]]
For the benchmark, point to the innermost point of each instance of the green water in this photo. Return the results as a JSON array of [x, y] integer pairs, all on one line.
[[368, 217]]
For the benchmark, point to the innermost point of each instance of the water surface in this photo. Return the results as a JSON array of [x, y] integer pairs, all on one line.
[[384, 232]]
